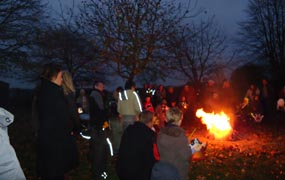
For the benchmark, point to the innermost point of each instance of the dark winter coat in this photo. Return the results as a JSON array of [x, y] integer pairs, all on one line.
[[136, 159], [56, 148], [173, 147], [97, 109], [164, 171], [75, 121]]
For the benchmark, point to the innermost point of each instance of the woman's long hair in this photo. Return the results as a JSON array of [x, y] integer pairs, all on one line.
[[67, 83]]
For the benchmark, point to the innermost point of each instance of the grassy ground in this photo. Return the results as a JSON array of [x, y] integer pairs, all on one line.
[[257, 153]]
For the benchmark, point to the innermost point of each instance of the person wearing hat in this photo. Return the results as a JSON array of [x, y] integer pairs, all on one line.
[[172, 143]]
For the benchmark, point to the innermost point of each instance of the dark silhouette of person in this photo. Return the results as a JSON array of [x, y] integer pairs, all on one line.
[[55, 138], [136, 156]]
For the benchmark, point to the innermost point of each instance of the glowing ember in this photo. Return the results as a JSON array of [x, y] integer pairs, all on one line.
[[217, 124]]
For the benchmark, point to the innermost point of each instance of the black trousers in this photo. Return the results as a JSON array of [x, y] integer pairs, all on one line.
[[98, 153]]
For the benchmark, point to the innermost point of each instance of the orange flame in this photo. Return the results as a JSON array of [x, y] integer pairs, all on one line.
[[217, 124]]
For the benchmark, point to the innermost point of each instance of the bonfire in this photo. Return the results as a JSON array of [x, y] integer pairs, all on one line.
[[218, 124]]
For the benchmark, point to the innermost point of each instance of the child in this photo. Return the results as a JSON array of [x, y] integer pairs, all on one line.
[[244, 110], [160, 113], [183, 105], [148, 104]]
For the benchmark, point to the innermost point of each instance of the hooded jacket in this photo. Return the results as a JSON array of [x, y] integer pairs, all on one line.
[[174, 148], [9, 164]]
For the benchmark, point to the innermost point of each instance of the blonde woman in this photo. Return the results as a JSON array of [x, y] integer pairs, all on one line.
[[56, 147], [69, 93], [67, 83]]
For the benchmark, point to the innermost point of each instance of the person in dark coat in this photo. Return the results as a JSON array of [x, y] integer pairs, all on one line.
[[69, 93], [55, 139], [171, 97], [136, 155], [98, 143], [266, 97]]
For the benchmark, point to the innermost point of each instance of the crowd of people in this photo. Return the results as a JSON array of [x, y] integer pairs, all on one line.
[[57, 112], [147, 125]]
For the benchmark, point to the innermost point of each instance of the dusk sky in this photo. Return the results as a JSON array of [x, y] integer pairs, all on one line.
[[227, 13]]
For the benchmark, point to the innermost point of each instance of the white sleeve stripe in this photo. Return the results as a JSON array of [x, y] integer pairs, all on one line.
[[125, 92], [138, 100], [125, 96], [120, 96]]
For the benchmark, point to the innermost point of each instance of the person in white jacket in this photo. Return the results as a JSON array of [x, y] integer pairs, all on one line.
[[129, 105], [10, 167]]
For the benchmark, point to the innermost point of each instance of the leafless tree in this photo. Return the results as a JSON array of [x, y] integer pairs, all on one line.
[[19, 22], [70, 48], [132, 34], [200, 51], [262, 35], [60, 40]]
